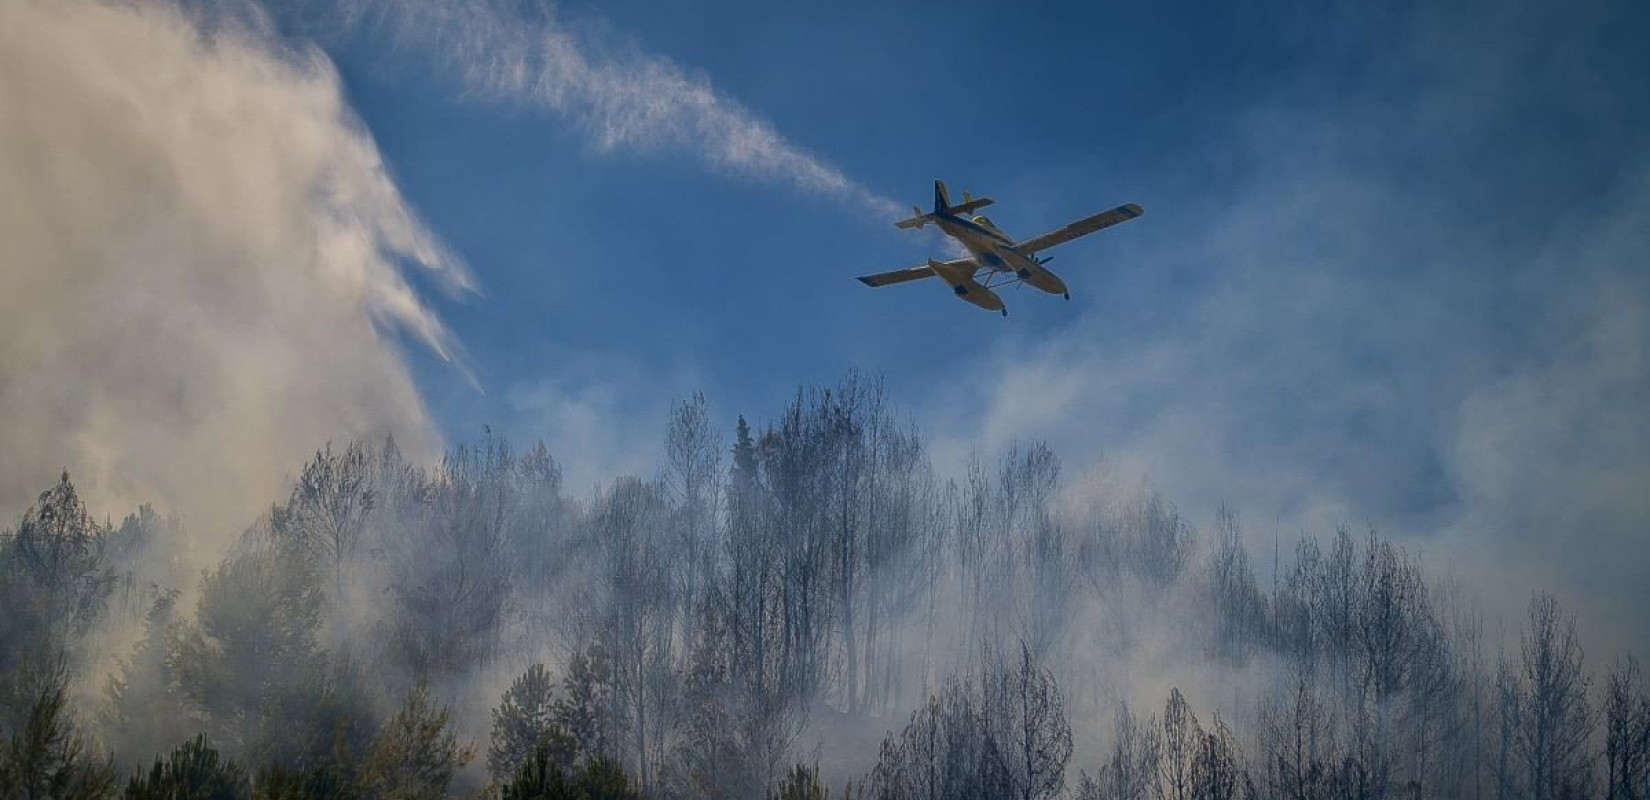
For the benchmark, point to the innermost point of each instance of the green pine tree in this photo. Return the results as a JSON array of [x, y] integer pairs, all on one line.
[[194, 771], [801, 783], [46, 758], [276, 782], [524, 722], [415, 756], [539, 777], [604, 780]]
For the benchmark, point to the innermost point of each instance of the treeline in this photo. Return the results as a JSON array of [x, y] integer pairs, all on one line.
[[699, 631]]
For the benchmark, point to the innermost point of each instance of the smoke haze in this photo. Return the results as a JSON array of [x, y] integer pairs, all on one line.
[[210, 273], [1378, 325]]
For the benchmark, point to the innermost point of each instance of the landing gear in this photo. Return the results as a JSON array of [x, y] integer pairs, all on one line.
[[1005, 312], [1068, 295]]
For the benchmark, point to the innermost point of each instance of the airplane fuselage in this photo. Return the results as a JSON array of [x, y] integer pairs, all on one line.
[[993, 249]]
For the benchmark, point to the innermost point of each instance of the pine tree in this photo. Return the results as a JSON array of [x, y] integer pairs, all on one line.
[[415, 756], [585, 708], [604, 780], [130, 718], [538, 777], [194, 771], [53, 586], [46, 758], [744, 457], [525, 722], [801, 783], [276, 782]]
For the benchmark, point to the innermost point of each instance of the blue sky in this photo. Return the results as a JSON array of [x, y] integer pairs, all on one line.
[[741, 286], [658, 261]]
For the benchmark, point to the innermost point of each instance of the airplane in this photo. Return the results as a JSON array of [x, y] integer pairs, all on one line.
[[1003, 261]]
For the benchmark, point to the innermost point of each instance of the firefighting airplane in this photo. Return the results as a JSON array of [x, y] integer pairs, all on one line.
[[1001, 260]]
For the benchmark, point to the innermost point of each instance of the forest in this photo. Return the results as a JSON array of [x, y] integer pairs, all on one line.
[[803, 608]]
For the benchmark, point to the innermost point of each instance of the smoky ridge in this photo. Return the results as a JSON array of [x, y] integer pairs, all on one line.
[[803, 607]]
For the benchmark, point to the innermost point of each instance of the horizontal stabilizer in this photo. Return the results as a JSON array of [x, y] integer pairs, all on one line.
[[973, 205], [942, 206], [917, 220]]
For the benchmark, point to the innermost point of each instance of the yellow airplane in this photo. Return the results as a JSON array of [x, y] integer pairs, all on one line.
[[1001, 260]]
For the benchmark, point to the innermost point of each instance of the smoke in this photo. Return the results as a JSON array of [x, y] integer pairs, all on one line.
[[622, 97], [1377, 323], [207, 257], [1549, 460], [206, 265]]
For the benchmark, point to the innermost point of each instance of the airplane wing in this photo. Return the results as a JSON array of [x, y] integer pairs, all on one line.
[[1082, 227], [912, 274]]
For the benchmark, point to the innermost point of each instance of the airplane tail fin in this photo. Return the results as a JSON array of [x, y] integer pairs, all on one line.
[[942, 198], [942, 206]]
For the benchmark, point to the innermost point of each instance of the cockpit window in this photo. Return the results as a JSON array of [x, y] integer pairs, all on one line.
[[983, 220]]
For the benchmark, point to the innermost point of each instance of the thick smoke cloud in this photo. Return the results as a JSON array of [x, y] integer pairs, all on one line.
[[1422, 307], [205, 264], [1550, 459]]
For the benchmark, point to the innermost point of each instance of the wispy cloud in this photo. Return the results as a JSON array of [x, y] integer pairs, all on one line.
[[623, 97]]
